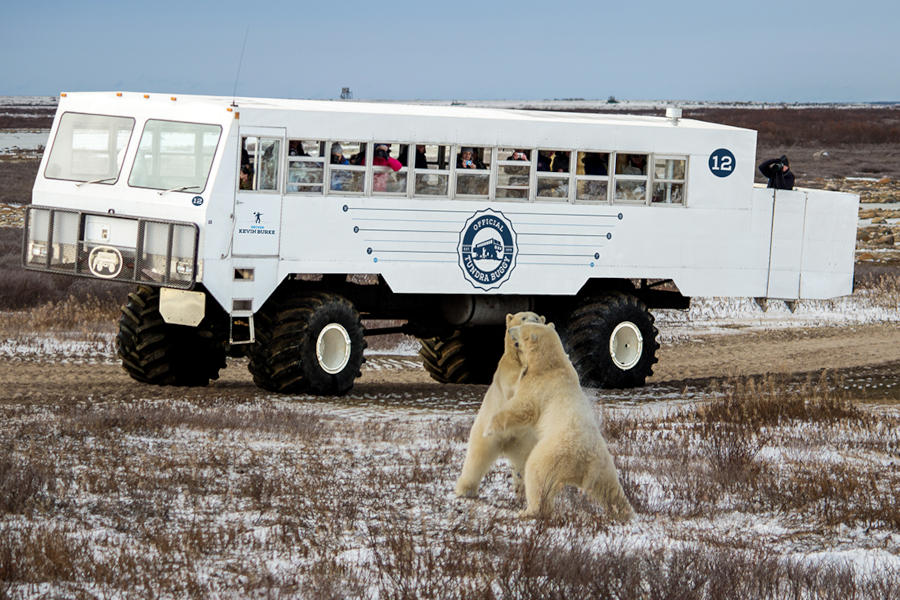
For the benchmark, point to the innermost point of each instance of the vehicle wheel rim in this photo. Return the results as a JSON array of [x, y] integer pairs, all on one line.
[[626, 345], [333, 348]]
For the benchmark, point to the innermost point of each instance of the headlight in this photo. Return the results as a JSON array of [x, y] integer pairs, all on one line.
[[184, 267]]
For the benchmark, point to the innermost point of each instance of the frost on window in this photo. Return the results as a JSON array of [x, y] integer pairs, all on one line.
[[592, 177], [431, 163], [347, 168], [668, 180], [473, 171], [306, 166], [631, 178], [513, 173], [630, 191]]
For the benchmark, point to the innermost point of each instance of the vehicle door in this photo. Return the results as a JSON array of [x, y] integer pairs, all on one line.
[[257, 201]]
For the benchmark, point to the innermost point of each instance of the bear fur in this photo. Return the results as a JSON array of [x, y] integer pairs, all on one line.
[[482, 451], [549, 404]]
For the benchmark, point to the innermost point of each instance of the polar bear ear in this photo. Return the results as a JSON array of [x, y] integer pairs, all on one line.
[[543, 319], [551, 326], [509, 318]]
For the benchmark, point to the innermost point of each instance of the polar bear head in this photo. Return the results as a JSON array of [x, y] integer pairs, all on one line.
[[538, 346], [520, 318]]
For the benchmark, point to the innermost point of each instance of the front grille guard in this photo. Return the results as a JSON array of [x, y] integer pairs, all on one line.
[[69, 258]]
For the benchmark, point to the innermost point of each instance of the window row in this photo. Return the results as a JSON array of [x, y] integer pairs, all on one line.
[[469, 172]]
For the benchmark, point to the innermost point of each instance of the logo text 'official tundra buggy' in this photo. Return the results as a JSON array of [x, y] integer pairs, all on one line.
[[487, 249]]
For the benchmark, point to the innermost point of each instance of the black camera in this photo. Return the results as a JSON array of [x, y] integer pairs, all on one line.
[[777, 166], [379, 153]]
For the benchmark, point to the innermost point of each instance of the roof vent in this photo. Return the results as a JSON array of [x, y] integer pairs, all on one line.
[[673, 114]]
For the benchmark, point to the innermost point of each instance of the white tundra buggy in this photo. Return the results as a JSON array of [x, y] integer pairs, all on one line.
[[277, 226]]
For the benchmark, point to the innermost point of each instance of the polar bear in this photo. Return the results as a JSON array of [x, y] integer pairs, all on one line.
[[483, 451], [549, 404]]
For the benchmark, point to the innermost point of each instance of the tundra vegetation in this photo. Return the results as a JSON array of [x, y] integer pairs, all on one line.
[[751, 491]]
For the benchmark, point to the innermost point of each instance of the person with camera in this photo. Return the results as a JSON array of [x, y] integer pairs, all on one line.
[[778, 171], [383, 157], [468, 160]]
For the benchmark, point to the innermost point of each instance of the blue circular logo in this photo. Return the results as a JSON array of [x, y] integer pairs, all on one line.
[[197, 200], [721, 162], [487, 249]]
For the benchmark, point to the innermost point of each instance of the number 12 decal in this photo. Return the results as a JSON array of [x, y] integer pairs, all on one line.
[[721, 162]]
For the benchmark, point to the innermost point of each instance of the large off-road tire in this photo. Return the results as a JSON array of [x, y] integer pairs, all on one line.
[[153, 351], [307, 344], [466, 356], [611, 341]]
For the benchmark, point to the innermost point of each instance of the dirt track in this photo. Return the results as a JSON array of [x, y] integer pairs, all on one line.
[[869, 353]]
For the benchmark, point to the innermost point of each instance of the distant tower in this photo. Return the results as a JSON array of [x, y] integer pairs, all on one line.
[[346, 94]]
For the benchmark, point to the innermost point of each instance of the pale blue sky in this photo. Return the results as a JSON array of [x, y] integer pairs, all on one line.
[[768, 51]]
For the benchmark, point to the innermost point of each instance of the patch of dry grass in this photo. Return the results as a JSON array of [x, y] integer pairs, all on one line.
[[299, 500]]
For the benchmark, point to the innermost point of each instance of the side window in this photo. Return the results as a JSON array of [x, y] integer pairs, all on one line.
[[513, 173], [473, 171], [347, 167], [432, 170], [631, 178], [668, 180], [553, 174], [306, 166], [389, 174], [592, 177], [259, 163]]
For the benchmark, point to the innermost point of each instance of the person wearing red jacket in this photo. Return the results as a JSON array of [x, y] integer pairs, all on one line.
[[383, 158]]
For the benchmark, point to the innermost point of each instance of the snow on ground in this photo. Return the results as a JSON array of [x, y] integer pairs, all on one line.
[[731, 315], [42, 101], [21, 140]]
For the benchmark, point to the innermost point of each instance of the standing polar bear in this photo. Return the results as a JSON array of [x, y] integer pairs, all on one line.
[[548, 404], [482, 451]]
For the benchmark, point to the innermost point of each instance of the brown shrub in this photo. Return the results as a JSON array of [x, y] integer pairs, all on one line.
[[17, 179], [24, 485]]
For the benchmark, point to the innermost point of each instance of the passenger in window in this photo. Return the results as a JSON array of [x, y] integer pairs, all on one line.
[[246, 177], [635, 165], [468, 160], [337, 155], [341, 176], [360, 157], [561, 162], [545, 157], [383, 158], [519, 155], [421, 161], [295, 148], [595, 163]]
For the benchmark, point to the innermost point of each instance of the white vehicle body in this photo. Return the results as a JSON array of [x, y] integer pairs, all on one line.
[[723, 236]]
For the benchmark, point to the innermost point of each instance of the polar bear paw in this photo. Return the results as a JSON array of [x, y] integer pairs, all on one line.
[[466, 490]]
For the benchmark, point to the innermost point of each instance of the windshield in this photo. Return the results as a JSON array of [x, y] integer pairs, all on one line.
[[89, 148], [175, 156]]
